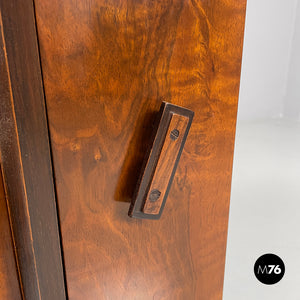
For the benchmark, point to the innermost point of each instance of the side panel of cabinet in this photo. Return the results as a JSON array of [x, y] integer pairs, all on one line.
[[25, 156], [107, 66]]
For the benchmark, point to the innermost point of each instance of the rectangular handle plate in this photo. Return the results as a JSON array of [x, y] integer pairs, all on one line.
[[156, 179]]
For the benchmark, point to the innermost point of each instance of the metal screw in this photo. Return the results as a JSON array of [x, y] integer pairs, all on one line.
[[174, 134], [154, 195]]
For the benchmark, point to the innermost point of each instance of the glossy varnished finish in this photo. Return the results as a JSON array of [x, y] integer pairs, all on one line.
[[107, 66], [25, 156], [9, 285]]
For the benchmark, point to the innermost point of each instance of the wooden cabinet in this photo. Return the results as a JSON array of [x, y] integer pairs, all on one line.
[[95, 73]]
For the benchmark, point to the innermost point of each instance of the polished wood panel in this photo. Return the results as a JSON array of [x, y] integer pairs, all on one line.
[[107, 66], [25, 156], [9, 284]]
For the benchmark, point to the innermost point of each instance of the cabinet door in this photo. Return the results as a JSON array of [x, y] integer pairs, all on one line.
[[107, 66]]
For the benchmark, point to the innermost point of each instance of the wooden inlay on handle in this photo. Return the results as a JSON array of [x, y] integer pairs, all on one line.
[[165, 164], [160, 166]]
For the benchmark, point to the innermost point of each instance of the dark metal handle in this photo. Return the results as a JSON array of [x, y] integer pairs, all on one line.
[[156, 179]]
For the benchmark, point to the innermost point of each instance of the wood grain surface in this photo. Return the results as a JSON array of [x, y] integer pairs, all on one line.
[[25, 156], [107, 66], [165, 164], [9, 284]]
